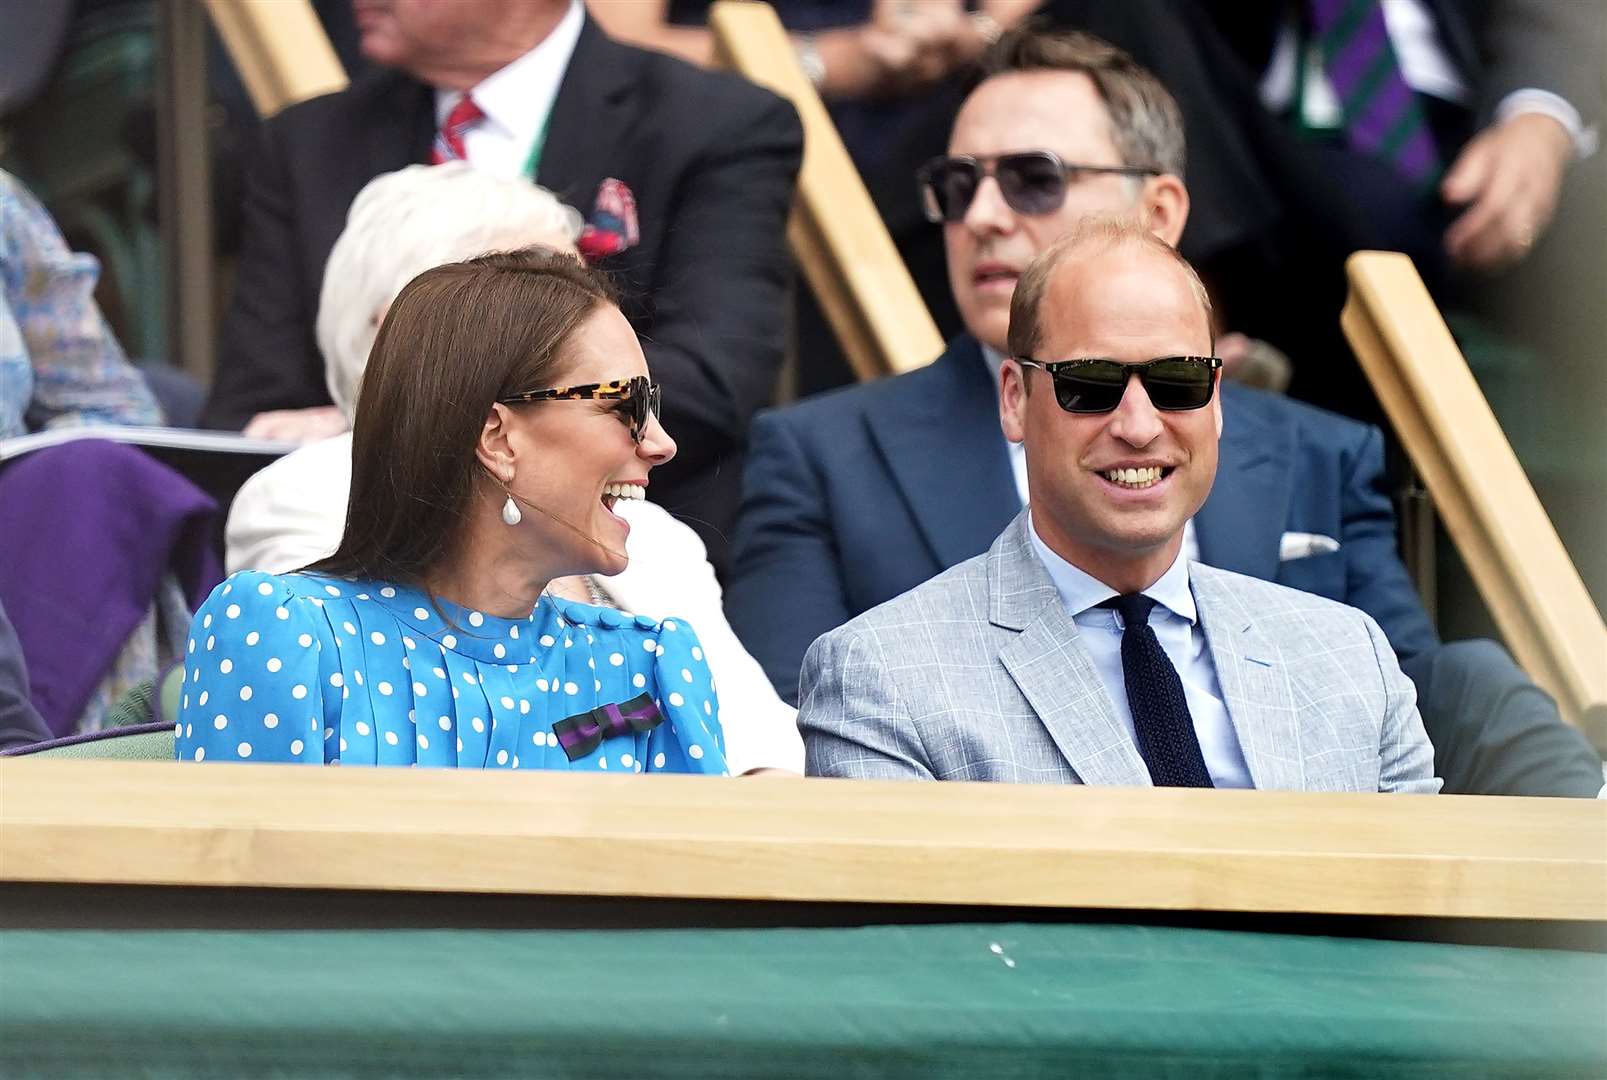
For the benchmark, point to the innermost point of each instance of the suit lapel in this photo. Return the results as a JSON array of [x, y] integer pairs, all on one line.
[[1255, 683], [942, 443], [397, 131], [1052, 668], [1242, 521], [590, 119]]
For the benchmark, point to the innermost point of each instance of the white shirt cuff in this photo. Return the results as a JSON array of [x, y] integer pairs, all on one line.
[[1544, 102]]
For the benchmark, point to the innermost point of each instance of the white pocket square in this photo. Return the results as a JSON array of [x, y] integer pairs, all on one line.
[[1299, 545]]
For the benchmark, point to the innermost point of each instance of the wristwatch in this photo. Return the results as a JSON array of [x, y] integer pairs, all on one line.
[[986, 26], [809, 59]]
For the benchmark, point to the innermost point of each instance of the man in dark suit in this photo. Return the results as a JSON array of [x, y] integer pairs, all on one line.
[[1503, 97], [686, 177], [1481, 75], [1510, 89], [857, 496]]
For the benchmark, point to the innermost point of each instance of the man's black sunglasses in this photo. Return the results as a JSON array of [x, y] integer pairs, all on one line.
[[1173, 383], [1032, 182], [640, 397]]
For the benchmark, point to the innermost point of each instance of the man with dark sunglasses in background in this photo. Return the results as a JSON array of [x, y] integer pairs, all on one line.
[[1085, 646], [857, 496]]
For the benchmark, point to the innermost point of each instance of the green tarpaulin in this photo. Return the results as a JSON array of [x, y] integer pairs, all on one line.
[[972, 1001]]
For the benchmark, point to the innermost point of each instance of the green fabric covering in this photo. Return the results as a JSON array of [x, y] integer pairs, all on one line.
[[148, 746], [136, 706], [167, 693], [971, 1001]]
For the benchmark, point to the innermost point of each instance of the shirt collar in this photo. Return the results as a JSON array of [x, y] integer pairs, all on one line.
[[1080, 590], [518, 97]]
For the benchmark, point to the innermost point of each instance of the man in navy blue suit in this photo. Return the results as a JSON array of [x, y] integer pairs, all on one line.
[[857, 496]]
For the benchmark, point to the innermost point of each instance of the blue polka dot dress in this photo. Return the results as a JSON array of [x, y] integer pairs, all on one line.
[[309, 668]]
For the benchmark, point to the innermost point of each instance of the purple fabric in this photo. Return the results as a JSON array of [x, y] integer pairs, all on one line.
[[1419, 156], [1388, 103], [1378, 115], [583, 733], [91, 527], [1371, 39]]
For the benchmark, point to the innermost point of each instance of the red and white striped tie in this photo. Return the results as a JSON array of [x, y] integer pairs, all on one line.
[[449, 140]]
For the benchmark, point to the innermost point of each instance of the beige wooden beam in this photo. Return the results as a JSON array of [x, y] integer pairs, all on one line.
[[1482, 494], [280, 50], [185, 192], [835, 232], [792, 839]]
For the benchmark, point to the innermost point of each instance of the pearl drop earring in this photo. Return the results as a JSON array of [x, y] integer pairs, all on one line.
[[510, 509]]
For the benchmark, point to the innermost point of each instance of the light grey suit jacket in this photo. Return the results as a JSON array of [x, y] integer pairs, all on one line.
[[978, 675]]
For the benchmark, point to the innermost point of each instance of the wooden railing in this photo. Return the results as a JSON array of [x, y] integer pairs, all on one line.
[[280, 50], [1489, 508], [836, 233], [792, 839]]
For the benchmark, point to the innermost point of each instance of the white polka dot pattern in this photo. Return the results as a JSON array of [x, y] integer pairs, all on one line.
[[339, 657]]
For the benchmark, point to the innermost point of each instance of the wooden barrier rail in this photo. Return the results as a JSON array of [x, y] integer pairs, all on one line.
[[279, 49], [1491, 511], [836, 233], [792, 839]]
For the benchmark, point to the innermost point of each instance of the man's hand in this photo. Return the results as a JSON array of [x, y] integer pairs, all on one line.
[[1508, 176], [911, 44], [297, 425], [908, 45]]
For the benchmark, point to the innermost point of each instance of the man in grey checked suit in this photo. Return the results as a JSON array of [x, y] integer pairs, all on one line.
[[1019, 665]]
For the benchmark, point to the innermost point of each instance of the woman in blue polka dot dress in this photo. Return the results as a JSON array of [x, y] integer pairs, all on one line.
[[431, 637]]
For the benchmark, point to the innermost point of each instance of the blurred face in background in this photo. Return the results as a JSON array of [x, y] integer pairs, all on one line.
[[1058, 111], [436, 39]]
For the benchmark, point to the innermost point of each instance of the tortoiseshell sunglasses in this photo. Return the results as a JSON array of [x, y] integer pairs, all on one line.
[[638, 392]]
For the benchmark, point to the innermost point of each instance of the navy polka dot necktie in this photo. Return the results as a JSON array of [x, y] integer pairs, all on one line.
[[1161, 722]]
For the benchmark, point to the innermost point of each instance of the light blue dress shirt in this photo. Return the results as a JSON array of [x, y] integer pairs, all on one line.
[[1176, 623]]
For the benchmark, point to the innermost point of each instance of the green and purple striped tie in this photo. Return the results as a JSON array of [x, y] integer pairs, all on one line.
[[1383, 115]]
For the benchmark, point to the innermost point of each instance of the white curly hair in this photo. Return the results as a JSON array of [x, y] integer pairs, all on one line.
[[403, 223]]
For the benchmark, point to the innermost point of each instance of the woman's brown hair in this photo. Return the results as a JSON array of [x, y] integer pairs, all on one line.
[[456, 339]]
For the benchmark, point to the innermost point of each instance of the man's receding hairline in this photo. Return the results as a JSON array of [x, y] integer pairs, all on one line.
[[1105, 233], [1115, 243]]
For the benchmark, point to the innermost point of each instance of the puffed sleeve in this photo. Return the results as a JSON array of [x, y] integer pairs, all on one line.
[[252, 690], [690, 740]]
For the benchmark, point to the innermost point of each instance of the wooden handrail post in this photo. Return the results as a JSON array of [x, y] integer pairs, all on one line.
[[280, 50], [185, 191], [1486, 501], [835, 232]]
